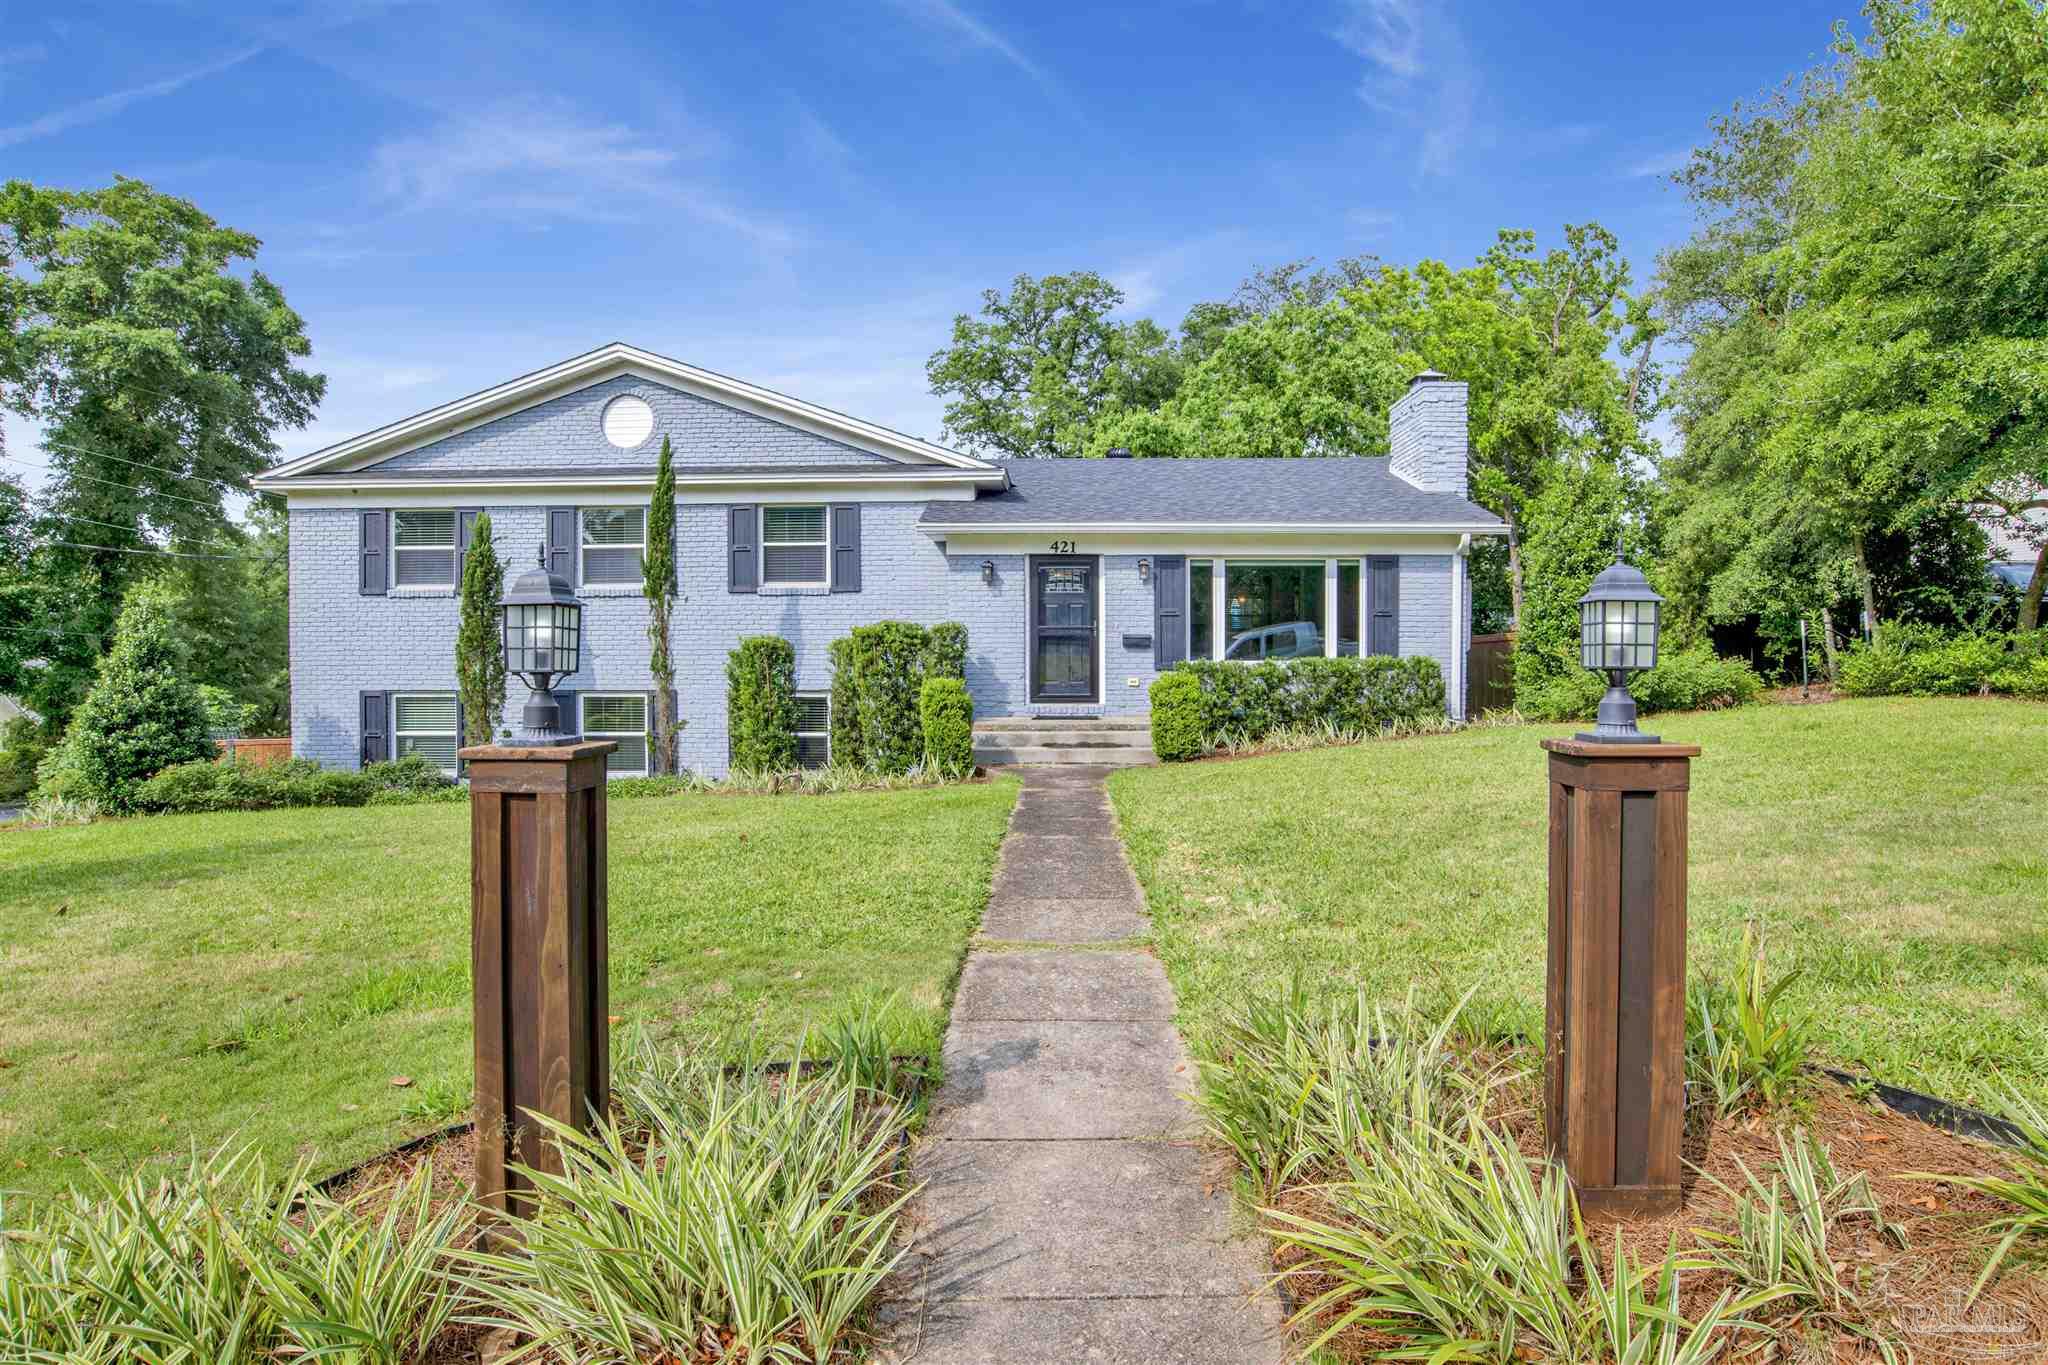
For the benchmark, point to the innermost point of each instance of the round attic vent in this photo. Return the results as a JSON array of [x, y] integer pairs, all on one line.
[[628, 421]]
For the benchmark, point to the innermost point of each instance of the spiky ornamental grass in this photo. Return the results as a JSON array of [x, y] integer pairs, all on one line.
[[1423, 1221], [221, 1262], [751, 1214]]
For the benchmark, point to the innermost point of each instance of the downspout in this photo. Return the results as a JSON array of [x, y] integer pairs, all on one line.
[[1459, 644]]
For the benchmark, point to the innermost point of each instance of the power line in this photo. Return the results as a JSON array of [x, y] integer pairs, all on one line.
[[133, 488], [228, 484], [172, 554]]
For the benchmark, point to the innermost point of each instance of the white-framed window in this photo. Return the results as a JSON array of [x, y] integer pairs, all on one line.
[[621, 717], [423, 547], [1272, 608], [614, 541], [424, 723], [794, 550], [813, 729]]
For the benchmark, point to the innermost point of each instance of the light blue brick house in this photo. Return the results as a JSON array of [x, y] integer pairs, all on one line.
[[1078, 580]]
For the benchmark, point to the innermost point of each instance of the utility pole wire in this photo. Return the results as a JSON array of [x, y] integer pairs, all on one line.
[[133, 488], [227, 484]]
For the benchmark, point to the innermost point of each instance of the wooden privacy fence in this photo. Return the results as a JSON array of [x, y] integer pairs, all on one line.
[[1490, 674], [255, 750]]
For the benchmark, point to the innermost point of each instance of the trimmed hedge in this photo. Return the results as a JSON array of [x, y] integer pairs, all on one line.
[[948, 714], [1683, 680], [945, 651], [1177, 716], [1920, 662], [888, 666], [186, 788], [760, 703], [1244, 702], [846, 750]]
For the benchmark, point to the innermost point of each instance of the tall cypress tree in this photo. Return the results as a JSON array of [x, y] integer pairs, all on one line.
[[659, 583], [479, 650]]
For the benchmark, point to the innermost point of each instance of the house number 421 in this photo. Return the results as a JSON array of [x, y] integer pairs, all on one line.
[[1063, 547]]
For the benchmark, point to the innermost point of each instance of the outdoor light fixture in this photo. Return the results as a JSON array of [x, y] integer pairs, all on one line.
[[988, 571], [543, 642], [1144, 571], [1618, 636]]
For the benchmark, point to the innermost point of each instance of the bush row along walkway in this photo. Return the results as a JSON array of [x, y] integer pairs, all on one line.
[[1069, 1214]]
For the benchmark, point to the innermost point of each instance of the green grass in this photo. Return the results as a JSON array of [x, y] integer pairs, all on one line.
[[177, 980], [1896, 850]]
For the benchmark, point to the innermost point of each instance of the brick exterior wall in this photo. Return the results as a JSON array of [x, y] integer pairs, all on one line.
[[1426, 435], [344, 643], [569, 431]]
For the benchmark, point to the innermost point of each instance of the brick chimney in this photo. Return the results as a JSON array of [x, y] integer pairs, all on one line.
[[1426, 434]]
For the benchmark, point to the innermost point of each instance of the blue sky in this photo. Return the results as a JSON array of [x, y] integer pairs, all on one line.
[[804, 194]]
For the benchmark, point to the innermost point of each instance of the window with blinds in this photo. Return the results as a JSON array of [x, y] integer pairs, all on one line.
[[813, 729], [622, 718], [614, 540], [423, 547], [793, 548], [423, 723]]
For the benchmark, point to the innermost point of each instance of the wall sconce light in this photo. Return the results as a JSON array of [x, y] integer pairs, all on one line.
[[988, 571], [1144, 571]]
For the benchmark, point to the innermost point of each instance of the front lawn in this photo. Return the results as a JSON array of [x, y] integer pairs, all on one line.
[[1895, 850], [180, 980]]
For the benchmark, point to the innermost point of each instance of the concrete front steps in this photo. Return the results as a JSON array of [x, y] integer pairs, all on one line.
[[1100, 741]]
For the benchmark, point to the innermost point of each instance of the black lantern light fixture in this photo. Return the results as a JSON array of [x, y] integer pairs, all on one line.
[[988, 572], [1618, 636], [543, 642]]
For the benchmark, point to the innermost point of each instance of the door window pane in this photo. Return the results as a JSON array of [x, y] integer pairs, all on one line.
[[1274, 610], [1347, 608], [1201, 611]]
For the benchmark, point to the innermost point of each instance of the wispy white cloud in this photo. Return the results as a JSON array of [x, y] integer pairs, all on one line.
[[23, 54], [819, 144], [1659, 164], [1418, 71], [108, 105], [955, 22], [1152, 278], [543, 160], [1369, 223]]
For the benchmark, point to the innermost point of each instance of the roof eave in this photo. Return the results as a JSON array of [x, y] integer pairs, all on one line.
[[932, 526], [578, 371], [855, 476]]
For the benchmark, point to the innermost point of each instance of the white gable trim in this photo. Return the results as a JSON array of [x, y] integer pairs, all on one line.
[[595, 367]]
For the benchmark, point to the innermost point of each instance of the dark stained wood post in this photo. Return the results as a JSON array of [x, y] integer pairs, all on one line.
[[1614, 1037], [537, 951]]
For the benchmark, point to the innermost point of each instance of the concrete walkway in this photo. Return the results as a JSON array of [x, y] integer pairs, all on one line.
[[1068, 1214]]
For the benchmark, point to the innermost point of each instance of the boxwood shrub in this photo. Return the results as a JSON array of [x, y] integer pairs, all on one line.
[[760, 703], [1244, 702], [1177, 716], [845, 720], [1683, 680], [1911, 660], [185, 788], [877, 673], [948, 714]]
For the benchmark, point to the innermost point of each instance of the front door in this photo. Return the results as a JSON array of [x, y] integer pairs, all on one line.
[[1063, 626]]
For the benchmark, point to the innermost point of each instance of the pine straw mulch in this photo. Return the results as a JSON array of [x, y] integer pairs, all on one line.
[[1918, 1295]]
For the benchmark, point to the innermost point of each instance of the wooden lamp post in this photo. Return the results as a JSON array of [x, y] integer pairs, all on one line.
[[537, 906], [1614, 1073]]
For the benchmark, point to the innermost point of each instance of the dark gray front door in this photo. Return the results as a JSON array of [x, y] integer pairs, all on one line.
[[1063, 627]]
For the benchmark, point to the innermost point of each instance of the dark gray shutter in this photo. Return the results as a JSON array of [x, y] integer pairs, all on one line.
[[465, 522], [376, 561], [653, 759], [461, 736], [562, 542], [743, 528], [1169, 610], [1385, 625], [571, 722], [376, 716], [845, 519]]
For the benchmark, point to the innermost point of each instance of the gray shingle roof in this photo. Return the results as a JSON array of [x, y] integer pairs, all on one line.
[[1303, 492]]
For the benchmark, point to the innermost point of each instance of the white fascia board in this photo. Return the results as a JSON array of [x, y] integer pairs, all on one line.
[[583, 495], [990, 529], [1230, 543], [594, 367], [451, 483]]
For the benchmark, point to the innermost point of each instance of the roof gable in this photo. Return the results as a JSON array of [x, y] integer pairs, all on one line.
[[790, 427]]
